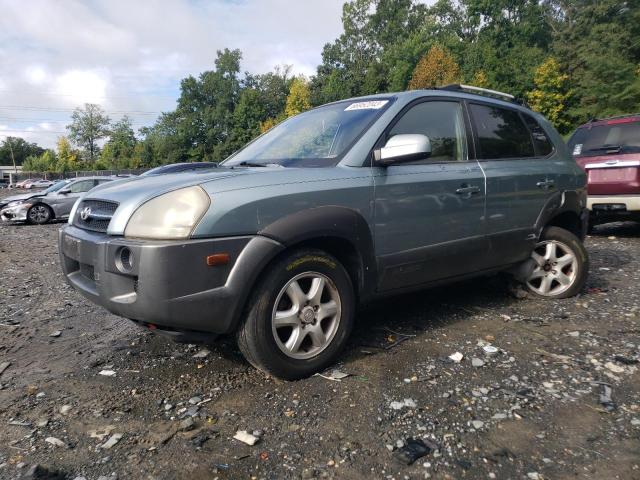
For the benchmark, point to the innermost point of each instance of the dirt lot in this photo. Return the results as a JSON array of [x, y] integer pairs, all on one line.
[[532, 410]]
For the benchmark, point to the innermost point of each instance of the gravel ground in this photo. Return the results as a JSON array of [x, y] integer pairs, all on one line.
[[88, 394]]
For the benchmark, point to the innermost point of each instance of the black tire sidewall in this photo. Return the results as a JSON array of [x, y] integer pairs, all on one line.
[[265, 351], [571, 241]]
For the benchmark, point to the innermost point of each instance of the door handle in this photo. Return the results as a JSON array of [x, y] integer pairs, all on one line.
[[546, 184], [467, 189]]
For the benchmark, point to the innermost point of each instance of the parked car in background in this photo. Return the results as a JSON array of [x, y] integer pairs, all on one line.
[[179, 167], [39, 184], [4, 184], [54, 203], [609, 151], [26, 182], [347, 202]]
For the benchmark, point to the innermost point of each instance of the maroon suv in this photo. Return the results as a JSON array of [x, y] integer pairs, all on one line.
[[609, 151]]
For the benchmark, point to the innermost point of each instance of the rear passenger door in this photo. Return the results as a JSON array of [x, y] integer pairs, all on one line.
[[429, 214], [514, 152]]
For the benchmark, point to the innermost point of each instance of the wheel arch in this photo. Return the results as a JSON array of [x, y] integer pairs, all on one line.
[[340, 231], [565, 210]]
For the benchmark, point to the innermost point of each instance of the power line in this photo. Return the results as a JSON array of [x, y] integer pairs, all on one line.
[[52, 109], [105, 97]]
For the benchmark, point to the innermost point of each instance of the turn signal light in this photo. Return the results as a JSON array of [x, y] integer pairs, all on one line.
[[218, 259]]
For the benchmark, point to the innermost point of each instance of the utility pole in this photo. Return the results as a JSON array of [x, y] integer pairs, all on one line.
[[13, 159]]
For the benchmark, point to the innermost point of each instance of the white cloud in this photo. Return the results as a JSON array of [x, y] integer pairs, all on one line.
[[83, 86], [130, 55]]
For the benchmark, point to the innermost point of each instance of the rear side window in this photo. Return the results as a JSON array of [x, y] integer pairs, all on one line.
[[541, 142], [501, 133]]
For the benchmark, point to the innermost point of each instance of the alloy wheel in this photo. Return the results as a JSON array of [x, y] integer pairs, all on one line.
[[556, 268], [306, 315], [38, 214]]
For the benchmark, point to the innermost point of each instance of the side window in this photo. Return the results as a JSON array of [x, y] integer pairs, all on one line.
[[82, 186], [443, 123], [501, 133], [540, 140]]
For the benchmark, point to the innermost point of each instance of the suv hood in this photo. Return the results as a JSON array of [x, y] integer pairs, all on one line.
[[131, 193]]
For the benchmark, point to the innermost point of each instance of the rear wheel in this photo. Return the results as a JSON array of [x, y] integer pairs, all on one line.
[[39, 214], [300, 315], [562, 265]]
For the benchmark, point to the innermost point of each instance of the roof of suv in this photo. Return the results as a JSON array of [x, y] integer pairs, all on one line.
[[633, 117]]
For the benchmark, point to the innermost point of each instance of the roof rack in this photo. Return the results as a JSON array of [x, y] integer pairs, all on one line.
[[458, 87]]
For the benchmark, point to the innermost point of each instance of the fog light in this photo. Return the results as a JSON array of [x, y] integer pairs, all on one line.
[[124, 260]]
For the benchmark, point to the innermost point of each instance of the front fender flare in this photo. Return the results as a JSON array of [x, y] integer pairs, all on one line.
[[330, 222]]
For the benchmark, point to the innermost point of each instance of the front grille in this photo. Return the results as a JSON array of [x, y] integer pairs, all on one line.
[[94, 215]]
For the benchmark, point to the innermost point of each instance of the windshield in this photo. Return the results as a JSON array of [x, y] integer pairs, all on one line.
[[56, 186], [317, 138], [612, 138]]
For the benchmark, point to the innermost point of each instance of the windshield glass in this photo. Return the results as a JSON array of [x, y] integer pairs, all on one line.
[[56, 186], [317, 138], [613, 138]]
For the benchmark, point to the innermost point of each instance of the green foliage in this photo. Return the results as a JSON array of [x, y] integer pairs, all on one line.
[[435, 69], [20, 148], [68, 159], [551, 95], [299, 98], [41, 163]]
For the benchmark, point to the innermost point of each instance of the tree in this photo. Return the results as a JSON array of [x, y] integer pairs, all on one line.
[[299, 98], [118, 150], [19, 149], [551, 94], [88, 126], [68, 159], [42, 163], [436, 68], [596, 46]]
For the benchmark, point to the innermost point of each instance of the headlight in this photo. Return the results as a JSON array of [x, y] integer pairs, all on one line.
[[169, 216], [16, 203]]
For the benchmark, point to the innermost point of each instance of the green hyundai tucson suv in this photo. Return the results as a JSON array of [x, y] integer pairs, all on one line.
[[342, 204]]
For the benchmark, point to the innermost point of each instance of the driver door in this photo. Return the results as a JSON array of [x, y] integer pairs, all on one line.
[[429, 214]]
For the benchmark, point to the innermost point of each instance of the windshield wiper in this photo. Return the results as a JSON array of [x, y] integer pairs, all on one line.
[[251, 164], [256, 164], [612, 148]]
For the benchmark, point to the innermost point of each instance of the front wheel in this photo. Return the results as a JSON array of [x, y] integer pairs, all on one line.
[[562, 265], [39, 214], [300, 316]]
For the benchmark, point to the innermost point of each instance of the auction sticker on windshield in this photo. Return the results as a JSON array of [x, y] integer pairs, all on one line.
[[371, 105]]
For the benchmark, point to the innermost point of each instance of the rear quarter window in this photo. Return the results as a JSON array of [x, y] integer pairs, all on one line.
[[541, 141], [501, 133]]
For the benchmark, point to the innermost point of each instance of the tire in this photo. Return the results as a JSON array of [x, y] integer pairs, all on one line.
[[562, 265], [312, 329], [39, 214]]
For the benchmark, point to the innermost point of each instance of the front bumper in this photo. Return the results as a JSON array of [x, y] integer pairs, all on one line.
[[14, 214], [165, 283]]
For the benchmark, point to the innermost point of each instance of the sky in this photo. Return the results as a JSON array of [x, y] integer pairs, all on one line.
[[130, 55]]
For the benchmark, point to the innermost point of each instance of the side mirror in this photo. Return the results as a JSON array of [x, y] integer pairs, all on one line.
[[404, 148], [65, 191]]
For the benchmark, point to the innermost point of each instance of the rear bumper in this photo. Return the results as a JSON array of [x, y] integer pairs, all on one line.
[[166, 283], [613, 203]]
